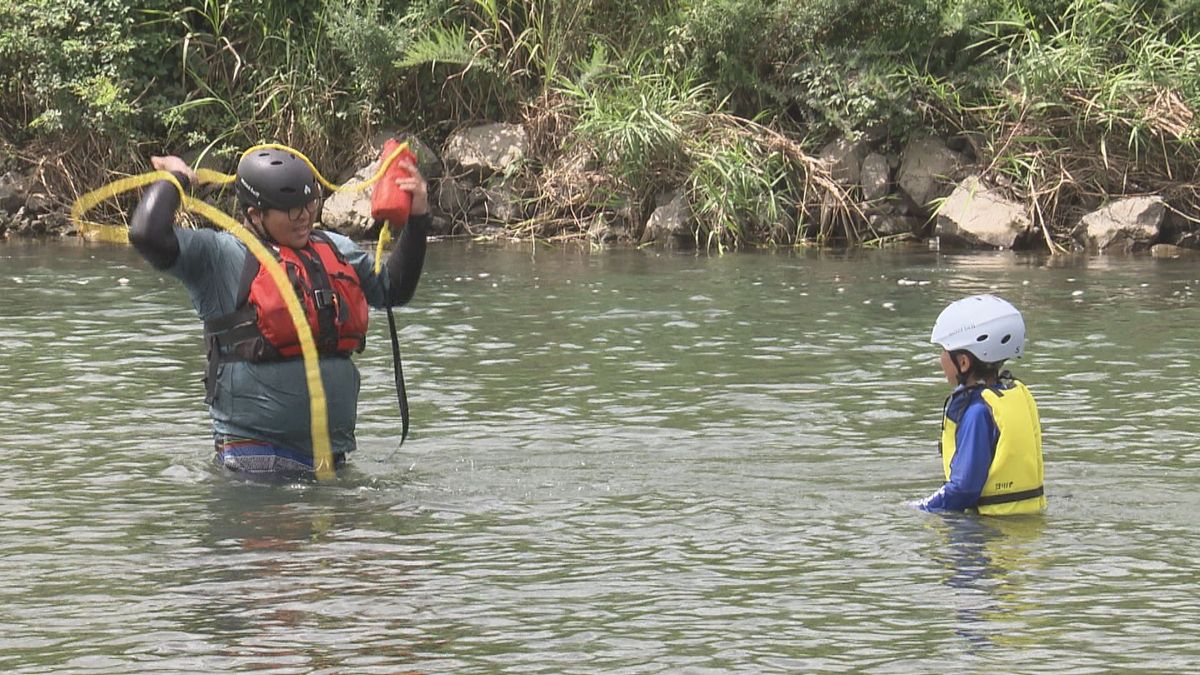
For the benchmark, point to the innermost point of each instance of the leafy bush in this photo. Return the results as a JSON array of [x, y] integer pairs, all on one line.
[[66, 64]]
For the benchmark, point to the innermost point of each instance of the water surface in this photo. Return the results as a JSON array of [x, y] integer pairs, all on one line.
[[627, 461]]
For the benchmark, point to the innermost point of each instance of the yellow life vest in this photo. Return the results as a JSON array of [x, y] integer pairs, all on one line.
[[1015, 479]]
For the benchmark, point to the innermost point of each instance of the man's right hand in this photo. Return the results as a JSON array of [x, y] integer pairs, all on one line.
[[174, 165], [415, 184]]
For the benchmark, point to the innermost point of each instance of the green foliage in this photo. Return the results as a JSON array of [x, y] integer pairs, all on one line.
[[497, 54], [740, 190], [726, 83], [65, 64], [845, 92], [1076, 107], [1109, 67], [443, 45], [637, 119], [829, 66], [728, 42], [656, 131]]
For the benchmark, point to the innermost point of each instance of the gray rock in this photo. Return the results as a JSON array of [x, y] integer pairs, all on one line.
[[1134, 220], [845, 159], [501, 202], [668, 225], [14, 190], [888, 225], [38, 203], [440, 226], [453, 198], [349, 211], [927, 171], [977, 215], [488, 149], [428, 161], [608, 230], [875, 177], [1172, 251]]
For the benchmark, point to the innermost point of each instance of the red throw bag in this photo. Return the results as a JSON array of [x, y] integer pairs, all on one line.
[[389, 202]]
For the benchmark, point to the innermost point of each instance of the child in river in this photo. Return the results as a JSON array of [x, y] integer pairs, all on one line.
[[991, 442]]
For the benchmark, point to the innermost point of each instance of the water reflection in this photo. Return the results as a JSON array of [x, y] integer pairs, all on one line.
[[986, 564], [302, 575]]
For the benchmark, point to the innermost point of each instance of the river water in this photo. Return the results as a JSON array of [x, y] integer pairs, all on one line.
[[627, 461]]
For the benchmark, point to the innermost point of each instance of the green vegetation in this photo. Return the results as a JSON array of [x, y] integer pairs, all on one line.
[[1065, 102]]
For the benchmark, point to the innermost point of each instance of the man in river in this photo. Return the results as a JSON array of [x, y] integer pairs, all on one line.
[[991, 444], [255, 384]]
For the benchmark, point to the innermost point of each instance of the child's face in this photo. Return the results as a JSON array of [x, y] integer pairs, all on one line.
[[949, 369]]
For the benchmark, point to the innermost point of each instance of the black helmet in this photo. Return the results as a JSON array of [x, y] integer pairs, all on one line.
[[275, 179]]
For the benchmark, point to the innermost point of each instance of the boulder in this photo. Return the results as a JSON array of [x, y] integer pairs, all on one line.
[[889, 225], [608, 229], [1132, 222], [453, 198], [668, 225], [14, 191], [927, 170], [440, 226], [845, 158], [1171, 251], [977, 215], [38, 203], [500, 200], [349, 211], [875, 177], [488, 149], [428, 161]]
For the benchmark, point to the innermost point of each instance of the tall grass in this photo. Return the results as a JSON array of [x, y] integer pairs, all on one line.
[[655, 131], [1073, 109], [1069, 101], [261, 72]]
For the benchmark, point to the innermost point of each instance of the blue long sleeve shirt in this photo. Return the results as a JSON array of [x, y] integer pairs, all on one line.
[[975, 440]]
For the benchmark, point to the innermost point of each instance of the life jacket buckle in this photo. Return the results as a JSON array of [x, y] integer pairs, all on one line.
[[324, 298]]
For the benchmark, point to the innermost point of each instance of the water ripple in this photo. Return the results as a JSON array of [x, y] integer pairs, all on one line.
[[628, 462]]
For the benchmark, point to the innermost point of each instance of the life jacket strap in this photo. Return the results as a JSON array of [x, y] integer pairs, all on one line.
[[1011, 497], [235, 337]]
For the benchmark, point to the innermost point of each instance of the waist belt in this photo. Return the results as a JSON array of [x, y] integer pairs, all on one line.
[[1011, 497]]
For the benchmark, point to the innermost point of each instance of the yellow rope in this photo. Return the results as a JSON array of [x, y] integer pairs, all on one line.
[[385, 235], [94, 231], [318, 411]]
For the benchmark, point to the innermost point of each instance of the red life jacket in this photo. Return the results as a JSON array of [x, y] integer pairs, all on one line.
[[261, 329]]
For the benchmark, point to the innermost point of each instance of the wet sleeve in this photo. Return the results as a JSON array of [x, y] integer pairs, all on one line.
[[975, 445], [152, 227]]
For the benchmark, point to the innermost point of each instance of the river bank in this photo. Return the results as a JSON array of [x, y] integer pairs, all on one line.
[[1059, 125], [486, 182]]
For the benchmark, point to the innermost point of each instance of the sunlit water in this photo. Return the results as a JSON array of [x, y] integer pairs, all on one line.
[[620, 462]]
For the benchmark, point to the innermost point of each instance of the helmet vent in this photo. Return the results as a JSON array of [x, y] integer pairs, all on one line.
[[1004, 340], [288, 190], [982, 338], [276, 162]]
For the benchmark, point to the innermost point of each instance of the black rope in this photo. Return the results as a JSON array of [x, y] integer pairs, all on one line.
[[398, 368]]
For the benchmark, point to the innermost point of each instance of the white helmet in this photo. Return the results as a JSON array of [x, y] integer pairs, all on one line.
[[984, 325]]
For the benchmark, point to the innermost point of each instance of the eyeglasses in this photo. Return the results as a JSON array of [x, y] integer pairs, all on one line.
[[310, 208]]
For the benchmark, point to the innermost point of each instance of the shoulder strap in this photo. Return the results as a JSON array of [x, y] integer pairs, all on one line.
[[324, 238], [249, 272]]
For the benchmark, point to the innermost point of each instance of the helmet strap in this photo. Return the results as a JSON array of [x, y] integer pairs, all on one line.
[[960, 373], [258, 228]]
